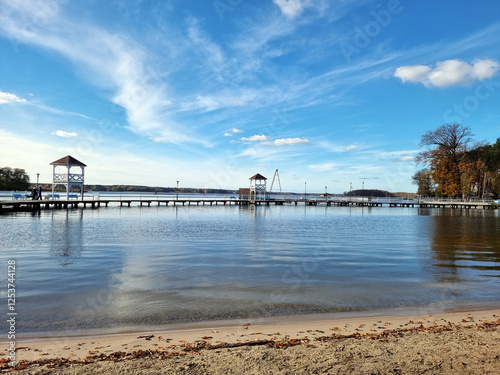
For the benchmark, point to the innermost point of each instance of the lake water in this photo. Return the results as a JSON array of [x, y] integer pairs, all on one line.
[[82, 269]]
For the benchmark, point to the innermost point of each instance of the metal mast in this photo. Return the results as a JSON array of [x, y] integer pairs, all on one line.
[[276, 176]]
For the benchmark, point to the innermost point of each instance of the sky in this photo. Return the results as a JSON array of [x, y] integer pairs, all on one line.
[[333, 94]]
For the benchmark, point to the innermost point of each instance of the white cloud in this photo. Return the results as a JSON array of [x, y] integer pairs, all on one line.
[[65, 134], [232, 132], [290, 8], [483, 69], [448, 73], [6, 97], [265, 140], [256, 138], [287, 142], [352, 147], [406, 158], [413, 73]]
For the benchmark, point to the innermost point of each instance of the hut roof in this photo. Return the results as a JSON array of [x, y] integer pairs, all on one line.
[[68, 160], [257, 176]]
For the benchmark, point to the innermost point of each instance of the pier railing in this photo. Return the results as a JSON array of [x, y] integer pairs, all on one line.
[[151, 196], [22, 200]]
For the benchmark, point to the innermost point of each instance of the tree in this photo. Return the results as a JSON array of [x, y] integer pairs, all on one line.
[[14, 179], [423, 179], [490, 155], [452, 142]]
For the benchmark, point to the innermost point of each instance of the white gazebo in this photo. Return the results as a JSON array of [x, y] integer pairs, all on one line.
[[257, 187], [62, 174]]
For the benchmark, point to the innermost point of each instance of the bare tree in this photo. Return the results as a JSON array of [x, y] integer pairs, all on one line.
[[452, 139], [452, 142]]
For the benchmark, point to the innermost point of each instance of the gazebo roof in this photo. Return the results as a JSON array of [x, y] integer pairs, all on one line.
[[68, 160], [258, 176]]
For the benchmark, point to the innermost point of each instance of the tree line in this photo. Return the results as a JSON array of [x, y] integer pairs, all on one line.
[[157, 189], [14, 179], [456, 165]]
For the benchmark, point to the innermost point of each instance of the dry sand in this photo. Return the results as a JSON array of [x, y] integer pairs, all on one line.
[[442, 343]]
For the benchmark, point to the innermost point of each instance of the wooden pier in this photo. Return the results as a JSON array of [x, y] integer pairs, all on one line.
[[36, 205]]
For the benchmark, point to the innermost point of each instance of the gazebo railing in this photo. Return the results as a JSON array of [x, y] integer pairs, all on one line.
[[64, 177]]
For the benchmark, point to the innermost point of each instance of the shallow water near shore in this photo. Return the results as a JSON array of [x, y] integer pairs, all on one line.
[[85, 269]]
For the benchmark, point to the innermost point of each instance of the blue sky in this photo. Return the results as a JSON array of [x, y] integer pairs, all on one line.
[[208, 93]]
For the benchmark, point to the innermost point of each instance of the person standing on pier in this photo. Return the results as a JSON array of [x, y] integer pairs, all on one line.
[[39, 192], [33, 194]]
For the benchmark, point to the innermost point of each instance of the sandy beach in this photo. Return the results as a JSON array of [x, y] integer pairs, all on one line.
[[465, 342]]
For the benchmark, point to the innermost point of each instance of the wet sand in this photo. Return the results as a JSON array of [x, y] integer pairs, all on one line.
[[465, 342]]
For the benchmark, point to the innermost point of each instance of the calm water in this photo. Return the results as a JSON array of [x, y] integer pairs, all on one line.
[[118, 267]]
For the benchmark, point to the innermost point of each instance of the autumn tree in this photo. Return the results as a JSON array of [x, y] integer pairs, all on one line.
[[424, 182], [451, 143], [490, 157]]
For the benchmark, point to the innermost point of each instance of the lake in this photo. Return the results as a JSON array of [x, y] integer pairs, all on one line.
[[119, 267]]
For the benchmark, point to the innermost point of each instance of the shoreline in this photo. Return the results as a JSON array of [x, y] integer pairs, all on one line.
[[260, 321], [241, 333]]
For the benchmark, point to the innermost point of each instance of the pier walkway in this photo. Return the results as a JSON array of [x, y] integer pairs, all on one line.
[[152, 200]]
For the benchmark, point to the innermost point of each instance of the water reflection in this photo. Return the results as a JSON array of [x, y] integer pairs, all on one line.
[[65, 234], [465, 244], [137, 266]]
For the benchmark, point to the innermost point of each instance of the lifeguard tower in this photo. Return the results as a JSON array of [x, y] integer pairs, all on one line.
[[257, 187], [62, 174]]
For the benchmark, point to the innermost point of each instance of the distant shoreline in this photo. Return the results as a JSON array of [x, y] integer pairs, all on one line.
[[186, 190]]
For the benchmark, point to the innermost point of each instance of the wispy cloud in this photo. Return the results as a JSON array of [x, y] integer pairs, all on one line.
[[324, 167], [448, 73], [402, 155], [329, 146], [6, 97], [294, 8], [211, 52], [65, 134], [57, 111], [265, 140], [114, 61]]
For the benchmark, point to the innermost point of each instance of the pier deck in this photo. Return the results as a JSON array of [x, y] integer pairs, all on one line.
[[34, 205]]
